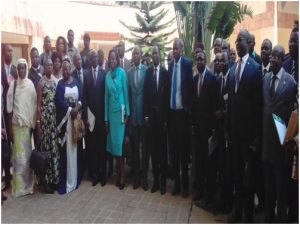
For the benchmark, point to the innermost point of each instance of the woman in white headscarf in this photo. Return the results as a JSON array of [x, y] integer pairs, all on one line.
[[21, 104]]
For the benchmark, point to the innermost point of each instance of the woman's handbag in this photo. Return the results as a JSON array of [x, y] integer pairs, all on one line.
[[78, 129], [39, 162]]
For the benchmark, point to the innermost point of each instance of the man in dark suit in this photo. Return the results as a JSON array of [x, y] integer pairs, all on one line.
[[36, 70], [8, 74], [252, 52], [291, 64], [279, 95], [85, 53], [244, 126], [217, 49], [124, 63], [232, 57], [266, 49], [78, 73], [203, 111], [155, 113], [181, 92], [224, 201], [93, 106]]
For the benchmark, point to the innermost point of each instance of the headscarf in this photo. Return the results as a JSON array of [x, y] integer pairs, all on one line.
[[22, 101]]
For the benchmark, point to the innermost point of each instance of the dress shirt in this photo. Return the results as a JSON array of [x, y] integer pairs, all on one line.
[[8, 73], [279, 75], [243, 64], [178, 89], [37, 70], [199, 80], [263, 67], [157, 73]]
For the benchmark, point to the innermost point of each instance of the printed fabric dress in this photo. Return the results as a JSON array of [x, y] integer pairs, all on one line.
[[116, 106], [49, 135]]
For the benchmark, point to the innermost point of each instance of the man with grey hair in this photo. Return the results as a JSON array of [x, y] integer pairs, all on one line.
[[180, 92]]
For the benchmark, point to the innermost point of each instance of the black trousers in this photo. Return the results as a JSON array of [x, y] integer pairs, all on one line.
[[96, 153], [276, 183], [179, 137], [243, 172], [140, 161], [157, 144], [201, 160]]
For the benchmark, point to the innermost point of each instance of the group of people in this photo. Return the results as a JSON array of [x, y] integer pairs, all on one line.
[[215, 116]]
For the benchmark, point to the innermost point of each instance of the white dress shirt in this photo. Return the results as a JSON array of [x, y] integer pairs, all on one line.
[[178, 89], [279, 75], [157, 74]]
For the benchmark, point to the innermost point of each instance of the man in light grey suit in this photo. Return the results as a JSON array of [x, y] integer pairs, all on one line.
[[136, 77], [279, 95]]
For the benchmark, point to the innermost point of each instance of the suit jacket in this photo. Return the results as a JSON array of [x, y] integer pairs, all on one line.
[[256, 57], [93, 96], [127, 64], [204, 106], [5, 84], [186, 82], [156, 100], [135, 94], [34, 76], [221, 102], [281, 105], [85, 59], [75, 75], [244, 107], [287, 65]]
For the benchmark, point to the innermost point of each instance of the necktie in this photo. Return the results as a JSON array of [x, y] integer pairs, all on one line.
[[174, 87], [200, 81], [264, 72], [237, 74], [223, 85], [272, 89], [155, 80], [94, 76], [8, 71], [293, 68], [136, 77], [122, 63]]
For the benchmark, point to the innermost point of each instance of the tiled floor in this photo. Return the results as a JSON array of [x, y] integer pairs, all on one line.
[[103, 205]]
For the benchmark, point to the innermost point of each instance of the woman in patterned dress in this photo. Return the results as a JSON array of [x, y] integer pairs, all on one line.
[[46, 127], [21, 104]]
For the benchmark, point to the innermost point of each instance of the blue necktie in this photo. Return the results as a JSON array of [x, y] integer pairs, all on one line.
[[174, 87]]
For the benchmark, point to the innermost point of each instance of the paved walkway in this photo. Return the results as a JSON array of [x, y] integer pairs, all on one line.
[[103, 205]]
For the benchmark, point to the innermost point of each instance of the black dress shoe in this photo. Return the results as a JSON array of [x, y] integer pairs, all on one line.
[[103, 182], [154, 187], [185, 193], [136, 184], [121, 186], [197, 196], [145, 185], [175, 190], [48, 190], [7, 186], [162, 190], [94, 182]]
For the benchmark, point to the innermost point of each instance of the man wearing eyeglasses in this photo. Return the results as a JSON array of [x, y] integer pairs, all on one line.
[[244, 126]]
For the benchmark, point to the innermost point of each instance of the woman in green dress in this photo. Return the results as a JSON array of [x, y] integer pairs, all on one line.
[[116, 113]]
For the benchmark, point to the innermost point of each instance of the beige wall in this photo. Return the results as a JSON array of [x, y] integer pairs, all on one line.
[[40, 18]]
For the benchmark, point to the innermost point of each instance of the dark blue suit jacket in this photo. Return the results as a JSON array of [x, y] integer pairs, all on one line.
[[204, 106], [186, 82], [93, 96], [244, 107], [287, 65]]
